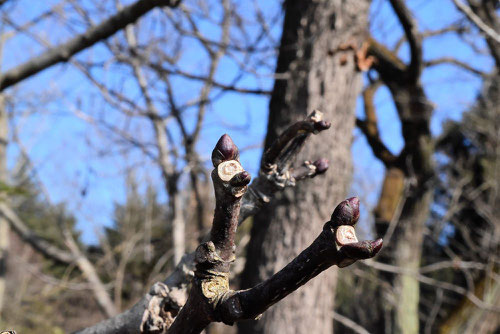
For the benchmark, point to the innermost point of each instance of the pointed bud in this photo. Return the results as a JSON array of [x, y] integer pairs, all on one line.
[[322, 125], [224, 150], [362, 250], [241, 179], [346, 213]]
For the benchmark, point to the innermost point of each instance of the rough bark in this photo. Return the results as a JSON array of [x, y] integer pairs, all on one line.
[[317, 75]]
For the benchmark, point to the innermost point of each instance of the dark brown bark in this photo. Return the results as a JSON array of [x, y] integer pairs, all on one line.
[[316, 77], [211, 300], [157, 308]]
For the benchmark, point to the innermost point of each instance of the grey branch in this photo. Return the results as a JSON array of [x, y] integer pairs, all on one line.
[[41, 245], [63, 52], [487, 30]]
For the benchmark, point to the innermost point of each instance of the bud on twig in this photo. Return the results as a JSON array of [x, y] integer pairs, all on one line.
[[321, 166], [346, 213], [224, 150]]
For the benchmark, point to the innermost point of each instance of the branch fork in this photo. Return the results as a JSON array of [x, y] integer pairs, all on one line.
[[210, 298]]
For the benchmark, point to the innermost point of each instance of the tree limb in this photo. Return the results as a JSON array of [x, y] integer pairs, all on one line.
[[211, 300], [369, 128], [63, 52], [43, 246], [259, 192], [456, 62], [414, 39], [487, 30]]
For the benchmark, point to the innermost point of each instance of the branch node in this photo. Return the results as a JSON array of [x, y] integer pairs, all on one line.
[[162, 308]]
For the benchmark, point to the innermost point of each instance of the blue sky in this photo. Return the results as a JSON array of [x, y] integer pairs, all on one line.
[[74, 157]]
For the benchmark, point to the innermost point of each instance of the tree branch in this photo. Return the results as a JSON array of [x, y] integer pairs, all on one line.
[[276, 173], [61, 256], [387, 62], [487, 30], [259, 192], [369, 128], [211, 300], [414, 39], [456, 62], [38, 243], [63, 52]]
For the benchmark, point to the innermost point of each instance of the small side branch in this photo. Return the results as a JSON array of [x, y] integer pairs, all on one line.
[[456, 62], [293, 138], [487, 30], [414, 39], [276, 170], [369, 127], [41, 245]]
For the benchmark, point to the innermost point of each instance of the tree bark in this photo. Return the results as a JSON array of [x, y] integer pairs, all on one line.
[[317, 76]]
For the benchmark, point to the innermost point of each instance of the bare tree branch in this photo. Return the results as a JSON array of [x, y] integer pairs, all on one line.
[[456, 62], [487, 30], [369, 127], [411, 31], [349, 323], [172, 291], [211, 300], [43, 246], [63, 52]]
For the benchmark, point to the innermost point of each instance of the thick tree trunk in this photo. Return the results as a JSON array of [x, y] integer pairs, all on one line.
[[403, 209], [317, 76], [405, 252]]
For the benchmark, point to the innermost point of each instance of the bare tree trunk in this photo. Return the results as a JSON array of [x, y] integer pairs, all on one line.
[[178, 228], [4, 226], [317, 76]]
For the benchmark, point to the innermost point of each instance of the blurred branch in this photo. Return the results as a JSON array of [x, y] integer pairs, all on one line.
[[369, 127], [432, 33], [433, 282], [87, 268], [38, 243], [456, 62], [487, 30], [411, 31], [54, 253], [349, 323]]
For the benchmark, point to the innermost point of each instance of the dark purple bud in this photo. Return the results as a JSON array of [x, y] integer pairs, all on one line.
[[321, 165], [346, 213], [322, 125], [362, 250], [224, 150], [241, 179]]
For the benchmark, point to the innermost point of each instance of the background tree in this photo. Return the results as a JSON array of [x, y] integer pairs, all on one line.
[[314, 77]]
